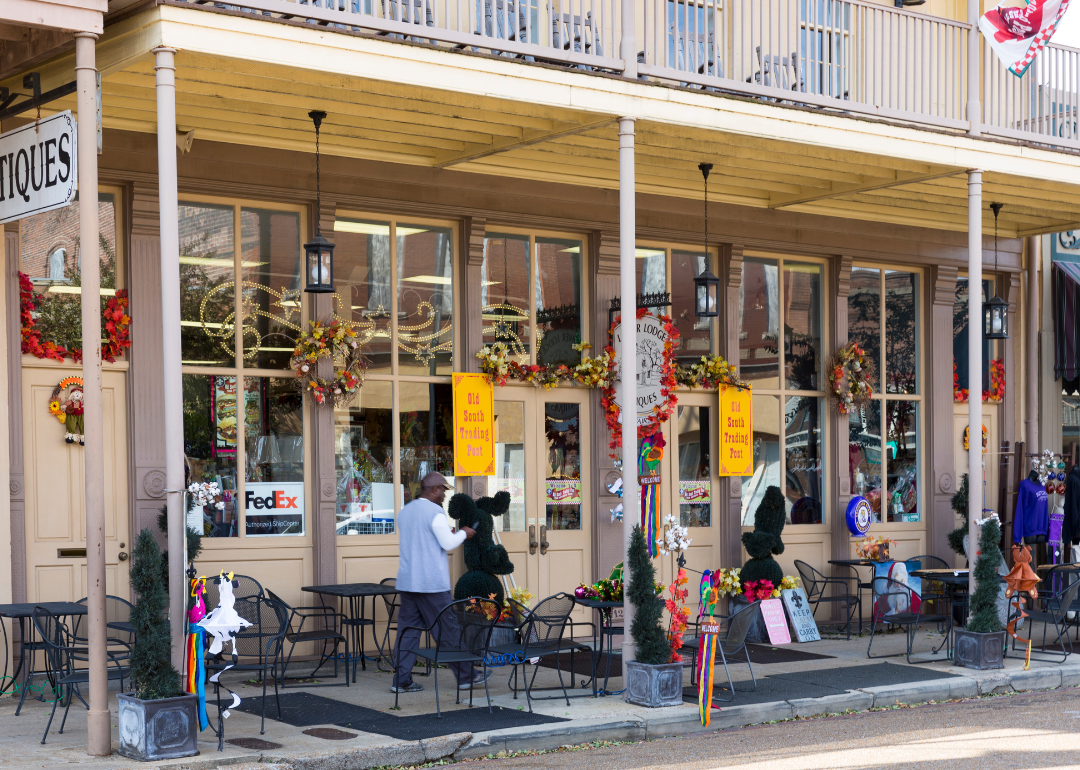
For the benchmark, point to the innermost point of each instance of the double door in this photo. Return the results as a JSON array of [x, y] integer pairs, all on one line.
[[542, 446]]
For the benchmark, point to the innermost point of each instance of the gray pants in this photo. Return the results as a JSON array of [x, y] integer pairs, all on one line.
[[420, 610]]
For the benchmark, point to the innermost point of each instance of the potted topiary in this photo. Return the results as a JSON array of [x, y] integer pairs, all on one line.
[[651, 680], [761, 545], [158, 720], [981, 644]]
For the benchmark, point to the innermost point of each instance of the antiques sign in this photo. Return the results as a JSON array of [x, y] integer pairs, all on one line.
[[474, 425], [651, 339], [38, 167]]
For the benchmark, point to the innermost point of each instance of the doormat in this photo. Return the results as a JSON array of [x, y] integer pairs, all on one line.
[[254, 744], [764, 654], [812, 684], [329, 733], [302, 709], [583, 663]]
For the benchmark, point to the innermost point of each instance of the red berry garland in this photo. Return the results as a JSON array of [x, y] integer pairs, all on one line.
[[116, 326]]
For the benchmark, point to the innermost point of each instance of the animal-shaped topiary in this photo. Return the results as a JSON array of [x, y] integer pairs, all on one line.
[[483, 557], [765, 540]]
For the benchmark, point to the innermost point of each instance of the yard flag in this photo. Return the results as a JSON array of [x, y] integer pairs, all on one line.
[[1018, 30]]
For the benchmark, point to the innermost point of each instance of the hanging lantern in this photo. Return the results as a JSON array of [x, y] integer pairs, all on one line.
[[706, 285], [318, 252], [996, 311]]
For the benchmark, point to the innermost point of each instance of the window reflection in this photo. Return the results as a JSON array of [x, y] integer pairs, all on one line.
[[562, 431], [804, 454], [558, 301], [426, 427], [695, 333], [695, 466], [425, 299], [901, 453], [270, 267], [210, 432], [510, 462], [364, 457], [766, 455], [362, 278], [207, 284], [802, 325], [759, 323], [864, 454], [901, 332], [651, 270], [864, 317], [504, 294], [273, 457]]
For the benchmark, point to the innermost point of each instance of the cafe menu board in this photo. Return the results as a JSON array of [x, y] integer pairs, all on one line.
[[736, 431], [223, 409]]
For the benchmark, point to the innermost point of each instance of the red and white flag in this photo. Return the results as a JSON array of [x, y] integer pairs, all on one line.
[[1018, 30]]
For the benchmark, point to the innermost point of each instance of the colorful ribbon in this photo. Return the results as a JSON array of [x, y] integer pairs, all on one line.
[[706, 663]]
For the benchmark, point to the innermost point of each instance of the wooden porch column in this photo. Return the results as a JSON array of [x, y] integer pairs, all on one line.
[[975, 338], [474, 231], [13, 402], [628, 353], [608, 547], [938, 428], [729, 495], [324, 505], [838, 425]]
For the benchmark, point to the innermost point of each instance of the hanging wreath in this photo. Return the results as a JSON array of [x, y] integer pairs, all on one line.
[[996, 394], [985, 439], [116, 325], [337, 341], [68, 408], [850, 362]]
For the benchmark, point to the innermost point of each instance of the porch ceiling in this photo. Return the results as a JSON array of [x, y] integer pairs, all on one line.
[[389, 116]]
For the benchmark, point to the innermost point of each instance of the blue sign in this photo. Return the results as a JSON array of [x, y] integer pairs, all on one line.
[[859, 516]]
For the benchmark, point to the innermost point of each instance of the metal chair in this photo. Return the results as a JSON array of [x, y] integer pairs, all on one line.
[[733, 645], [244, 587], [540, 635], [1056, 613], [462, 631], [62, 653], [897, 604], [573, 33], [815, 583], [325, 627], [121, 634], [257, 647], [937, 595]]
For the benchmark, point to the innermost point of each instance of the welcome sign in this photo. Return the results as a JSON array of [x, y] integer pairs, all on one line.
[[38, 164]]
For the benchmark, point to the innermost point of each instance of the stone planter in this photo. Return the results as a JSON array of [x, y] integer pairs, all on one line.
[[158, 729], [501, 635], [757, 634], [654, 686], [979, 651]]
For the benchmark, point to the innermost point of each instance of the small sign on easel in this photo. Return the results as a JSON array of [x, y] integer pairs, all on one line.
[[802, 616], [772, 612]]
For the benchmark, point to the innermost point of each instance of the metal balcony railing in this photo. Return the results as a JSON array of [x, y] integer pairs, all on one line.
[[844, 56]]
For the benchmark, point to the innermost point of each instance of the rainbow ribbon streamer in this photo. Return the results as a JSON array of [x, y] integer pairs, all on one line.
[[195, 681], [650, 517], [706, 661]]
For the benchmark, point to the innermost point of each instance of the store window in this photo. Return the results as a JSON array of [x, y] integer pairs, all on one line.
[[960, 335], [51, 256], [780, 353], [562, 433], [695, 465], [658, 268], [394, 283], [884, 435], [517, 267], [241, 406]]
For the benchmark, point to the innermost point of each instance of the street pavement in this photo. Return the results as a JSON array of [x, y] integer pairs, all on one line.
[[1025, 731]]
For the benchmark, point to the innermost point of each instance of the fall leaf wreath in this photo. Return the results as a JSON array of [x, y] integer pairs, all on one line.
[[849, 364], [115, 325], [337, 341]]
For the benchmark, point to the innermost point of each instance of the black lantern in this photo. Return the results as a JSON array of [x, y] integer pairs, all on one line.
[[318, 252], [996, 311], [706, 285]]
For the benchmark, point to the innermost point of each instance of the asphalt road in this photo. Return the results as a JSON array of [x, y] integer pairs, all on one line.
[[1034, 731]]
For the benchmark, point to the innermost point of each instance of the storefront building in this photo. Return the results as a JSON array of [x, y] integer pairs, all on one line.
[[461, 220]]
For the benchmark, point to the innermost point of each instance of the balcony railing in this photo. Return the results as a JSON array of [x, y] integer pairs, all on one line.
[[844, 56]]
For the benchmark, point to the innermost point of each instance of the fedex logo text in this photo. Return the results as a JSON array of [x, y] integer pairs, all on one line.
[[277, 500]]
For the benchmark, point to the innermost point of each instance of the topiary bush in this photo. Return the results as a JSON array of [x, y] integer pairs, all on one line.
[[765, 540], [151, 665], [984, 617], [959, 504], [650, 641]]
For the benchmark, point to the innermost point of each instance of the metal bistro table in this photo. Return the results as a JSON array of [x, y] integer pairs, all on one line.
[[851, 564], [24, 613], [356, 619], [957, 582], [605, 629]]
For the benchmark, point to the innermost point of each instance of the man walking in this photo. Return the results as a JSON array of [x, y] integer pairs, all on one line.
[[423, 579]]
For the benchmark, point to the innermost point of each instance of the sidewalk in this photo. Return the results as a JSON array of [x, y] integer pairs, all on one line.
[[470, 731]]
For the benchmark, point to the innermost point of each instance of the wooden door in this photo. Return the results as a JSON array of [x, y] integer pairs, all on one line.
[[514, 457], [55, 492]]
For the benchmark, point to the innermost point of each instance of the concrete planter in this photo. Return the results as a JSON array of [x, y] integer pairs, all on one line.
[[158, 729], [654, 686], [979, 651]]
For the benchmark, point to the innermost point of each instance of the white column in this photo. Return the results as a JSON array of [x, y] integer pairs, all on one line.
[[628, 41], [628, 360], [1031, 349], [974, 104], [172, 395], [99, 731], [975, 339]]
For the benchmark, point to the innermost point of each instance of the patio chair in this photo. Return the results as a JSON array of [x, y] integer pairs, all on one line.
[[1055, 613], [468, 643], [121, 634], [815, 584], [324, 626], [571, 33], [938, 594], [896, 604], [543, 634], [244, 587], [732, 646], [257, 647], [62, 654]]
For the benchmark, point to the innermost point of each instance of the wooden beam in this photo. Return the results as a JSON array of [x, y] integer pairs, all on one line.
[[836, 192], [14, 33], [530, 138], [1049, 229]]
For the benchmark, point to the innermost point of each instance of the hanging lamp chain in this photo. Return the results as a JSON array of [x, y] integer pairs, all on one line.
[[996, 207], [317, 117], [705, 168]]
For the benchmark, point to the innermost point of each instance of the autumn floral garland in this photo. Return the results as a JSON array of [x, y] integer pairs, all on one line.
[[117, 327], [997, 384], [338, 342]]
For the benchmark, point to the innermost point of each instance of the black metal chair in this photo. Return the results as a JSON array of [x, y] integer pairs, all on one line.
[[462, 631], [257, 647], [733, 646], [62, 654], [542, 633], [121, 634], [244, 587], [815, 584], [1055, 613], [932, 591], [895, 605], [324, 626]]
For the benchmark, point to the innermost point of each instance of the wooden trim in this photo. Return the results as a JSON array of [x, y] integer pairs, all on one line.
[[16, 484], [937, 423]]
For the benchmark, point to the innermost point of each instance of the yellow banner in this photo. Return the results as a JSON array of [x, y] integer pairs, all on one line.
[[736, 432], [474, 425]]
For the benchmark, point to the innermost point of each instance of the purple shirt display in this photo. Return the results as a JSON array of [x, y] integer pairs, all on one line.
[[1032, 517]]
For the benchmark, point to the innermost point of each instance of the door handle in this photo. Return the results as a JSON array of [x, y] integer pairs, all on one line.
[[544, 544], [532, 538], [122, 556]]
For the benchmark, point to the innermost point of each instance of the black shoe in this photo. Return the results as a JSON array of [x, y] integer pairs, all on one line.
[[413, 687]]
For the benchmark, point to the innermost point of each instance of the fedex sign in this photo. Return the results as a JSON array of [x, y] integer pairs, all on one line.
[[274, 508]]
